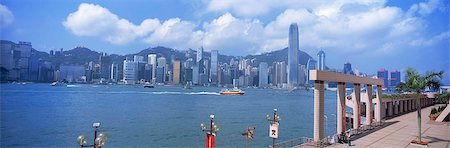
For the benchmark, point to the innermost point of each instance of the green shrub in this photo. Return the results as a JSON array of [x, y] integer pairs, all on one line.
[[434, 111]]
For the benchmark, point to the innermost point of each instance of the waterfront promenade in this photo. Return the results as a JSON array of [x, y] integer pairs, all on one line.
[[402, 130]]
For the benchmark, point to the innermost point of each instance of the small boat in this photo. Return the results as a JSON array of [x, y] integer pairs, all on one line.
[[54, 84], [187, 86], [234, 91], [149, 85]]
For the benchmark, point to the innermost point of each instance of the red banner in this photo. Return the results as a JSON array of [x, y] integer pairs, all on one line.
[[210, 141]]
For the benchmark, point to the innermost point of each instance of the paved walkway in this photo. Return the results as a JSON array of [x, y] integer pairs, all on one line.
[[403, 130]]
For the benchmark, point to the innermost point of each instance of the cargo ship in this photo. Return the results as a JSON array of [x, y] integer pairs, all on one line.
[[234, 91]]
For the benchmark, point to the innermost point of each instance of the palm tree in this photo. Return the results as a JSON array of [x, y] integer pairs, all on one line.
[[416, 83]]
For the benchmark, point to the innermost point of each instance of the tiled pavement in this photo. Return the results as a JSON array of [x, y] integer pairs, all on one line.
[[403, 130]]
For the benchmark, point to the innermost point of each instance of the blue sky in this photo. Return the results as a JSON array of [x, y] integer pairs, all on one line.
[[370, 34]]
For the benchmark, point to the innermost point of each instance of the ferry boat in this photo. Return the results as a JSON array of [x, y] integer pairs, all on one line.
[[148, 85], [234, 91]]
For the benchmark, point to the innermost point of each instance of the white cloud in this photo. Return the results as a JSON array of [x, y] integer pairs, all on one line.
[[94, 20], [6, 16], [341, 27]]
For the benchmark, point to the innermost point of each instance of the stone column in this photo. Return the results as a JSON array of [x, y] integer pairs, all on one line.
[[356, 107], [318, 110], [369, 115], [341, 123], [379, 110], [390, 108], [400, 108], [395, 107]]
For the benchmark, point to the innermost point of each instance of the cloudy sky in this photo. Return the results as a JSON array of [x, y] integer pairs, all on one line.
[[370, 34]]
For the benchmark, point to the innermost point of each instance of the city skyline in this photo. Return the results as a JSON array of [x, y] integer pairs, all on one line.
[[409, 30]]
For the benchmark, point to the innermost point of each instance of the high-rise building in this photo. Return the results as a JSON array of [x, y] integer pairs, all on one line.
[[24, 48], [280, 73], [195, 74], [130, 71], [395, 78], [162, 62], [176, 72], [311, 65], [214, 66], [152, 61], [105, 66], [148, 72], [348, 68], [383, 74], [263, 75], [321, 60], [200, 60], [293, 55], [71, 73], [114, 72], [301, 74], [188, 75]]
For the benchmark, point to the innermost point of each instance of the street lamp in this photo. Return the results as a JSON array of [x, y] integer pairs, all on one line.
[[273, 127], [211, 132], [249, 133], [99, 140]]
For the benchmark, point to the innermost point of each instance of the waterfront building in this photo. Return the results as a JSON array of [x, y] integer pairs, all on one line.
[[200, 60], [71, 73], [383, 74], [293, 55], [301, 74], [395, 78], [311, 65], [105, 66], [148, 73], [152, 61], [114, 72], [162, 62], [321, 60], [280, 73], [139, 59], [130, 71], [160, 74], [214, 66], [348, 68], [24, 61], [176, 72], [263, 75], [195, 74], [188, 75]]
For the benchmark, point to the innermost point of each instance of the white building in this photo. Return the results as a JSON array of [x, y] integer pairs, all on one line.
[[130, 71], [263, 75]]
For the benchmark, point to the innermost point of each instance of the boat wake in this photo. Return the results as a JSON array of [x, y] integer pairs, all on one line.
[[184, 93]]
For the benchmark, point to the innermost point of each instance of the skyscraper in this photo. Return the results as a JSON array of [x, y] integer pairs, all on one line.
[[152, 61], [176, 72], [263, 75], [105, 66], [114, 72], [383, 74], [321, 60], [161, 74], [280, 73], [348, 68], [311, 65], [293, 55], [200, 60], [395, 78], [130, 71], [214, 65]]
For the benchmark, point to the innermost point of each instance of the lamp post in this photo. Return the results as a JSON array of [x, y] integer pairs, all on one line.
[[249, 133], [211, 133], [273, 128], [99, 140], [326, 125]]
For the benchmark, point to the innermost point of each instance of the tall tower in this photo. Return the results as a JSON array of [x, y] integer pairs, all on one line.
[[321, 60], [293, 55]]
